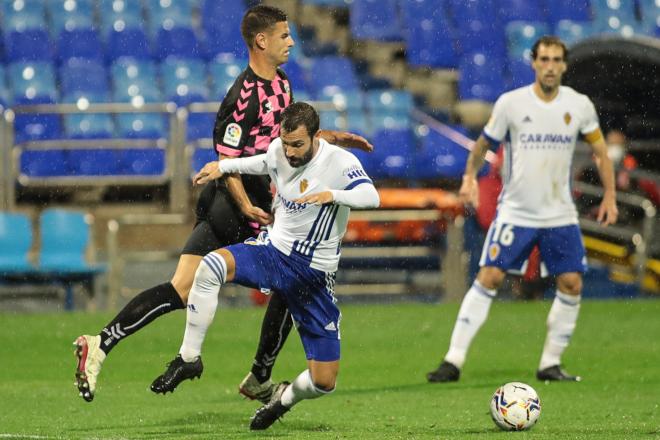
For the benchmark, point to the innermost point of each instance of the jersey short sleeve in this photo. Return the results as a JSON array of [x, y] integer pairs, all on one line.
[[498, 124], [237, 115], [589, 117], [352, 173]]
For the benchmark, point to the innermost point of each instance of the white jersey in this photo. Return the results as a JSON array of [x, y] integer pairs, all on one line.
[[538, 154], [313, 231]]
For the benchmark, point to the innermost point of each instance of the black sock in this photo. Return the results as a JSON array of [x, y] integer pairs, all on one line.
[[140, 311], [275, 328]]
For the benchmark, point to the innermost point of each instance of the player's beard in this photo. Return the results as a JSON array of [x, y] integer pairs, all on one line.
[[298, 162]]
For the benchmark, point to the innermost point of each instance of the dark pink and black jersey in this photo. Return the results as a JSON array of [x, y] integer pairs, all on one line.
[[249, 120]]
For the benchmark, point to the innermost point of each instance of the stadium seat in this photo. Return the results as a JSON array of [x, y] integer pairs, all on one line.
[[178, 42], [141, 126], [131, 77], [32, 80], [21, 15], [574, 10], [521, 36], [375, 20], [430, 39], [28, 45], [520, 73], [393, 154], [389, 121], [143, 162], [65, 236], [4, 90], [572, 32], [87, 76], [129, 42], [331, 72], [200, 126], [202, 156], [15, 242], [477, 27], [614, 17], [223, 73], [70, 14], [650, 12], [481, 77], [225, 40], [521, 10], [168, 14], [296, 74], [37, 126], [440, 157], [120, 15], [389, 101], [184, 81], [44, 163], [79, 43]]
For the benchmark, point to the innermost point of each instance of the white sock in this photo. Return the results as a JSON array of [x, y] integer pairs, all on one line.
[[471, 316], [561, 323], [202, 303], [300, 389]]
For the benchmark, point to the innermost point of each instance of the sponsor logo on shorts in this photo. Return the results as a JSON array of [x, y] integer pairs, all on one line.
[[232, 135]]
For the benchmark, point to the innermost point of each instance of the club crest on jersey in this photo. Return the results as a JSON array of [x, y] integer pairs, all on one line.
[[233, 134], [267, 108], [567, 118], [287, 89], [303, 185], [493, 251]]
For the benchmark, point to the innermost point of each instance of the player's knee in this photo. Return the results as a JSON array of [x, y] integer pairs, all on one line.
[[570, 284], [211, 272], [491, 277]]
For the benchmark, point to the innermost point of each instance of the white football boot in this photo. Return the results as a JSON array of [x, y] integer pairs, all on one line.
[[90, 358]]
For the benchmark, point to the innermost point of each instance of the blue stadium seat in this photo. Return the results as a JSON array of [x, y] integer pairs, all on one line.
[[168, 14], [430, 36], [477, 27], [28, 45], [574, 10], [650, 12], [133, 77], [39, 126], [520, 73], [202, 156], [21, 15], [70, 14], [4, 90], [614, 17], [343, 99], [375, 20], [89, 126], [296, 75], [184, 81], [15, 242], [31, 80], [120, 15], [393, 154], [129, 42], [44, 163], [572, 32], [481, 77], [80, 75], [332, 72], [143, 162], [521, 10], [179, 42], [200, 126], [65, 236], [141, 126], [389, 101], [223, 73], [440, 157], [79, 43], [389, 121], [223, 41], [521, 36]]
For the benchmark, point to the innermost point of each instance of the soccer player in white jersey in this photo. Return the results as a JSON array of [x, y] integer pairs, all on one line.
[[542, 122], [317, 183]]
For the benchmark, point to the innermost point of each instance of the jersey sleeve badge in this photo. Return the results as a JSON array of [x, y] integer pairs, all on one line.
[[233, 134]]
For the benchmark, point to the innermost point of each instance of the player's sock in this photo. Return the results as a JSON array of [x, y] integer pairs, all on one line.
[[202, 304], [275, 328], [140, 311], [561, 323], [471, 316], [300, 389]]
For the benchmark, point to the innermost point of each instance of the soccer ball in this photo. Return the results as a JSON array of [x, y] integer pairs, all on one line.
[[515, 406]]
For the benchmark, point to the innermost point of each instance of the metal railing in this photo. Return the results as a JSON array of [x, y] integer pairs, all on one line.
[[639, 239]]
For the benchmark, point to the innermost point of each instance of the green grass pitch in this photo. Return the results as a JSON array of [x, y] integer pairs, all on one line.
[[382, 392]]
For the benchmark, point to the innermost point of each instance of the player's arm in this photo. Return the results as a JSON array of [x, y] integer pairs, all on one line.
[[607, 212], [469, 191], [231, 166], [346, 140]]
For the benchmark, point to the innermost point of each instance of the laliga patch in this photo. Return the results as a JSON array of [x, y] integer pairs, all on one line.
[[493, 251], [232, 135]]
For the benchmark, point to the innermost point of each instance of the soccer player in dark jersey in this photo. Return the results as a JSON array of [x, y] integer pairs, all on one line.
[[228, 211]]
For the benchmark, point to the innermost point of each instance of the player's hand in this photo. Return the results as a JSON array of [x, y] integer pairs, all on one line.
[[347, 140], [469, 192], [608, 212], [209, 172], [258, 215], [316, 199]]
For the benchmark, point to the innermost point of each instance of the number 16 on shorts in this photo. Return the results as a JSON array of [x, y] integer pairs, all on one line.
[[507, 246]]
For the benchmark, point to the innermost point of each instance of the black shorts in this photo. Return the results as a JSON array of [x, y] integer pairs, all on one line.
[[219, 220]]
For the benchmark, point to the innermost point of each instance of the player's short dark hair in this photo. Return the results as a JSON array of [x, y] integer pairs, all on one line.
[[300, 113], [549, 40], [258, 19]]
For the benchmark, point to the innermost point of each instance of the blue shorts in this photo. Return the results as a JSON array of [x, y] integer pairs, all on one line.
[[508, 247], [309, 293]]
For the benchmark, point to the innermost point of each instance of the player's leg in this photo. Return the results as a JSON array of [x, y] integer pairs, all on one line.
[[567, 262], [505, 248], [275, 328]]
